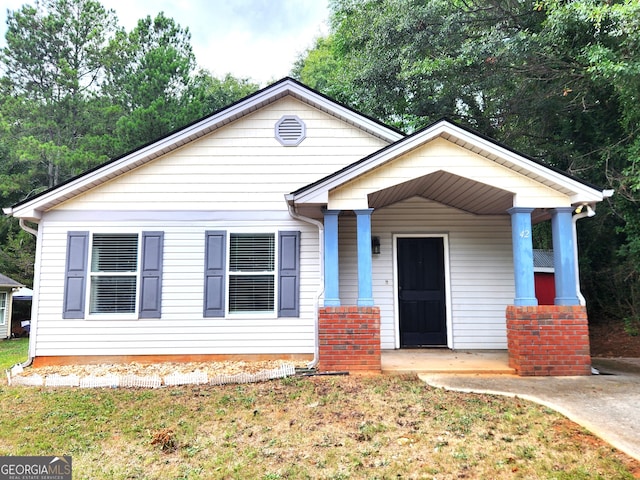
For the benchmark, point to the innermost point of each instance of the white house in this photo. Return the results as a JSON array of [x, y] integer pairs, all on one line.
[[258, 231]]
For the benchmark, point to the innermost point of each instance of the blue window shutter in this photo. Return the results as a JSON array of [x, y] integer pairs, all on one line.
[[151, 275], [289, 274], [215, 273], [75, 277]]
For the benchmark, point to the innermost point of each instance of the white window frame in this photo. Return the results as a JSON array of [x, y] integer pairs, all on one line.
[[3, 308], [447, 284], [228, 273], [91, 275]]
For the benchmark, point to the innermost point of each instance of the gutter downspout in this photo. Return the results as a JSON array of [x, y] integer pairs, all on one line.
[[590, 212], [320, 291], [575, 218], [32, 330], [27, 228]]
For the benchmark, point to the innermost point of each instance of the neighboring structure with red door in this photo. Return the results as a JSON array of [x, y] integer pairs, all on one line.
[[544, 276]]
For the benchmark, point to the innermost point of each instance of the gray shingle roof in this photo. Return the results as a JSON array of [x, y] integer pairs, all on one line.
[[8, 282]]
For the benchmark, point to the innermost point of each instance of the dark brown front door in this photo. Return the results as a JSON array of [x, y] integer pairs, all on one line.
[[421, 292]]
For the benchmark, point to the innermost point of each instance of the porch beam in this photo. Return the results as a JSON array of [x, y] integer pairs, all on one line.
[[564, 261], [365, 290], [331, 259], [523, 256]]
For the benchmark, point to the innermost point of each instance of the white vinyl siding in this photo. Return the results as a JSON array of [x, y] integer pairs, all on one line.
[[239, 167], [233, 180], [480, 260], [182, 329]]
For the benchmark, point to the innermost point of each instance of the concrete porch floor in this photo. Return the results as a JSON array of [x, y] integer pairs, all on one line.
[[436, 360]]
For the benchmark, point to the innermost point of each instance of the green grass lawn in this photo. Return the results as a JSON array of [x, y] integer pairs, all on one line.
[[13, 351], [325, 427]]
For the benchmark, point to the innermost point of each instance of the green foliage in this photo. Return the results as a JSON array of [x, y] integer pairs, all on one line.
[[77, 89], [317, 68], [53, 64], [17, 252], [632, 326], [208, 94], [557, 80], [150, 72]]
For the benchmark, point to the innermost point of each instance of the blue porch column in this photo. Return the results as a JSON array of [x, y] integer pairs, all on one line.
[[331, 260], [365, 292], [564, 256], [523, 256]]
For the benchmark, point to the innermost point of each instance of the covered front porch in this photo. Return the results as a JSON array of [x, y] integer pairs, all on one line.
[[429, 244]]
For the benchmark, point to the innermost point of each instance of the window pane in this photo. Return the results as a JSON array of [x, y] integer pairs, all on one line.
[[251, 252], [113, 294], [114, 253], [251, 293], [3, 308]]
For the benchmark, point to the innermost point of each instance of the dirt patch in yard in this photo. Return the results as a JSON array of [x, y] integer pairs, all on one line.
[[610, 339]]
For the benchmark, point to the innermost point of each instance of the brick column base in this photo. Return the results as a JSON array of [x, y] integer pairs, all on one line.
[[349, 339], [548, 340]]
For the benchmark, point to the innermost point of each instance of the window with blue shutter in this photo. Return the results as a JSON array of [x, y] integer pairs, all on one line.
[[251, 272], [243, 279], [115, 268]]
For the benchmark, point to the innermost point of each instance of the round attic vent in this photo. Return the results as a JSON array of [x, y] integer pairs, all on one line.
[[290, 130]]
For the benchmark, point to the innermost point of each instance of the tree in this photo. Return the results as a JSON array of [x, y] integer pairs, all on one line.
[[208, 94], [558, 80], [53, 65], [76, 89], [318, 66], [149, 78]]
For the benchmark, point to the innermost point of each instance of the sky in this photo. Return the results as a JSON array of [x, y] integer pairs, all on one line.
[[255, 39]]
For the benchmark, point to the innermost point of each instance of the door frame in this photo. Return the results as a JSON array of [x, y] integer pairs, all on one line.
[[447, 284]]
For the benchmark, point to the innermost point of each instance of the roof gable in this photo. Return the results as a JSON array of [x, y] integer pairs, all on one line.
[[576, 189], [32, 208], [242, 166]]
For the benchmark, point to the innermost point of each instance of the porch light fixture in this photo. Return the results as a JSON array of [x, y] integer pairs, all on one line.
[[590, 211], [375, 245]]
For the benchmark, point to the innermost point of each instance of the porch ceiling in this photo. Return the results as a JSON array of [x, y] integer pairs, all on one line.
[[448, 189]]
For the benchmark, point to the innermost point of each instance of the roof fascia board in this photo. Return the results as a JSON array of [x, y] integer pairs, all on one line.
[[583, 192]]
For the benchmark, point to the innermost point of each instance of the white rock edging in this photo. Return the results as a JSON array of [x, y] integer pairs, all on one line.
[[151, 381]]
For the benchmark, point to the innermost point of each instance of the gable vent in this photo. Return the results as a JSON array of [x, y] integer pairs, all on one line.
[[290, 130]]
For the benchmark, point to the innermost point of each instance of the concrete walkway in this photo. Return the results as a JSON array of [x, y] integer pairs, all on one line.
[[608, 405]]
